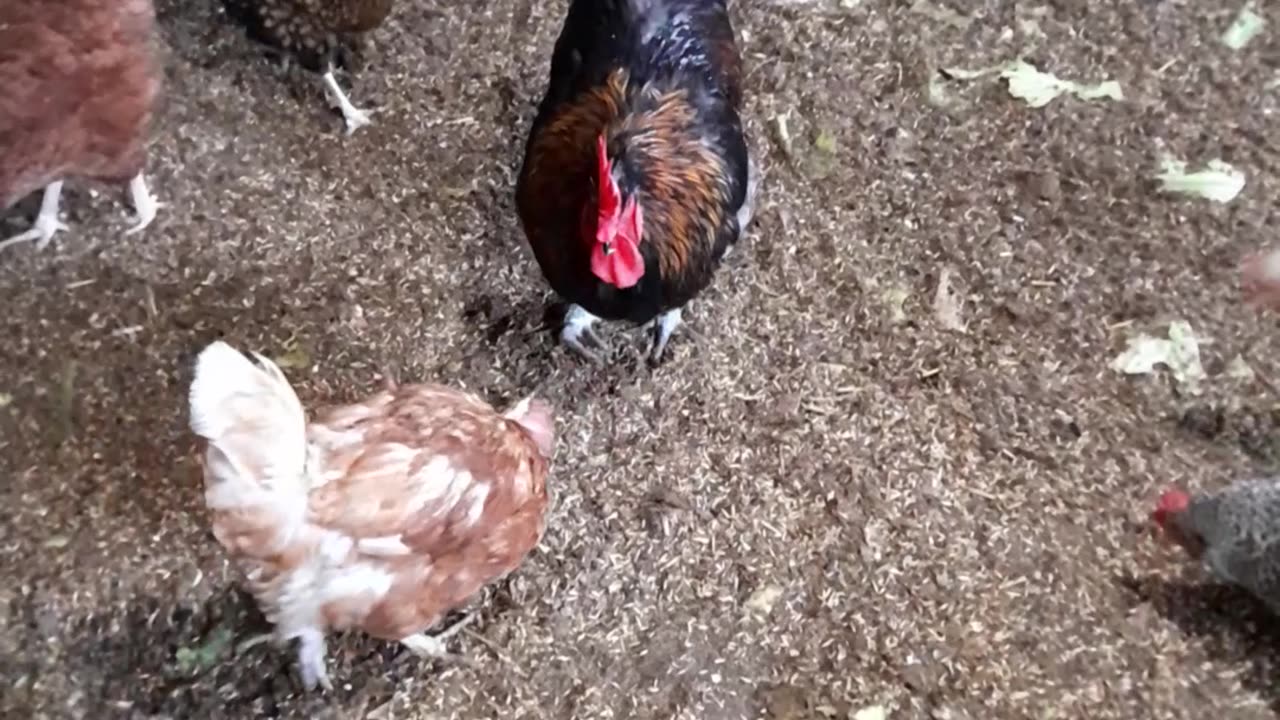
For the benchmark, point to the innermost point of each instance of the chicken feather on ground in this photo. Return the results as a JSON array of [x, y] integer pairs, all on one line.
[[381, 515], [315, 31], [637, 180], [78, 83]]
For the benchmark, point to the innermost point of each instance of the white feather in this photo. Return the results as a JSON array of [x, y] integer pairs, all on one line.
[[434, 481], [230, 392], [476, 496], [386, 546], [256, 430]]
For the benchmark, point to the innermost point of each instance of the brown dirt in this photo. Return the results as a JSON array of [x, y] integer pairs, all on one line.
[[954, 519]]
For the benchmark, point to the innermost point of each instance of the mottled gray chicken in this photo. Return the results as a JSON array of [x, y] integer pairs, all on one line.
[[1235, 531], [314, 31]]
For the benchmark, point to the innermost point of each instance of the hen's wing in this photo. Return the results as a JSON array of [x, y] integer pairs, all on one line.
[[42, 89], [421, 470]]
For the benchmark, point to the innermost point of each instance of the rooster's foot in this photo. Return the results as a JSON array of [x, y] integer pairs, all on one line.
[[355, 117], [663, 326], [46, 223], [581, 337]]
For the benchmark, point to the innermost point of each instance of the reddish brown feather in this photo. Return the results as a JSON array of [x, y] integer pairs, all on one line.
[[80, 79], [682, 182], [682, 206], [561, 162]]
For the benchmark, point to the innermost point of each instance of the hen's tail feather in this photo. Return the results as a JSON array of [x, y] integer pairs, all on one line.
[[255, 462], [537, 419]]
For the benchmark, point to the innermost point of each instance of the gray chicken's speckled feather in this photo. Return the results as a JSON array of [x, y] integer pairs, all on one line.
[[312, 30]]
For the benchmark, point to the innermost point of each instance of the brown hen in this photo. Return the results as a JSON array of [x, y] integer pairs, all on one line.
[[78, 81], [382, 515], [315, 31]]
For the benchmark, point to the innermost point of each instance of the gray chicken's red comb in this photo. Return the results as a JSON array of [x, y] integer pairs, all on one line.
[[1172, 502]]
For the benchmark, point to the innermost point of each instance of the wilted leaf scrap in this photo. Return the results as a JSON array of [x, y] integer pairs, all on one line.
[[1238, 369], [894, 299], [295, 356], [1180, 353], [783, 134], [205, 655], [1246, 26], [825, 142], [1218, 182], [872, 712], [1038, 88], [948, 307], [763, 599]]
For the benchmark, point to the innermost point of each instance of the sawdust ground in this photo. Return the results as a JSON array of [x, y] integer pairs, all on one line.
[[954, 520]]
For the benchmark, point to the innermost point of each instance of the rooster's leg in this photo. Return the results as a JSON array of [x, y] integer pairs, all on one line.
[[748, 209], [432, 646], [311, 659], [355, 117], [46, 223], [580, 336], [663, 326], [144, 202]]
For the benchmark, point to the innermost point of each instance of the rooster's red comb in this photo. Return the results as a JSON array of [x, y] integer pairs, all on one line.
[[605, 187]]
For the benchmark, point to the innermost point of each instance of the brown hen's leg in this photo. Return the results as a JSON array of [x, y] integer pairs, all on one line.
[[581, 337], [144, 202], [432, 646], [46, 223], [311, 660]]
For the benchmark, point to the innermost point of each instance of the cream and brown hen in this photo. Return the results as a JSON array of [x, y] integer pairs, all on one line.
[[381, 515]]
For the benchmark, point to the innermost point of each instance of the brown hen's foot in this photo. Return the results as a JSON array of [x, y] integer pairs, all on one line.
[[432, 646], [581, 337], [663, 326], [355, 117], [144, 202], [311, 660], [46, 223]]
